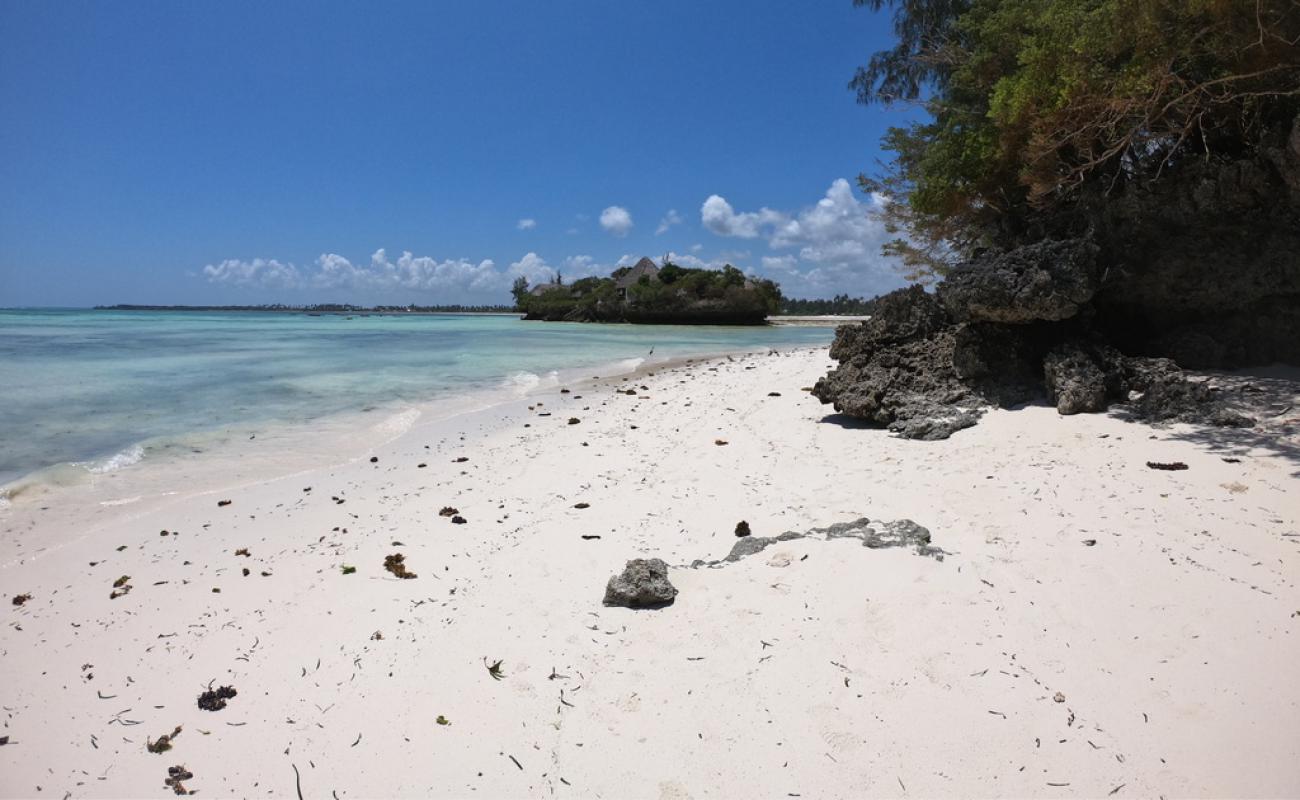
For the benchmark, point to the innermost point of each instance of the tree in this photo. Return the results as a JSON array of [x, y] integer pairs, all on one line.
[[520, 291], [1033, 103]]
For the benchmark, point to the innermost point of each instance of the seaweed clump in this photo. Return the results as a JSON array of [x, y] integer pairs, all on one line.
[[163, 743], [215, 700], [395, 564]]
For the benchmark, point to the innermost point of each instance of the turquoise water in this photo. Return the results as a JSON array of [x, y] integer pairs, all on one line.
[[91, 387]]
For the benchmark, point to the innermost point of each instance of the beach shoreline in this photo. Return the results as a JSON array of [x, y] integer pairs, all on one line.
[[816, 667]]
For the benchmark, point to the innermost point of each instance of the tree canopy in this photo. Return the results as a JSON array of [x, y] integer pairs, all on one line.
[[1032, 102]]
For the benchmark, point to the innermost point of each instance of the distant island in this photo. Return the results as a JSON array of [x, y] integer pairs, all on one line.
[[322, 308], [651, 294], [643, 293]]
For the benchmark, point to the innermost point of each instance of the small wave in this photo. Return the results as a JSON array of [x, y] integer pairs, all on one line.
[[522, 383], [628, 364], [125, 458], [125, 501], [398, 424]]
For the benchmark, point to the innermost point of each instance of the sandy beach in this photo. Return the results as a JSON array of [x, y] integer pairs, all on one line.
[[1092, 626]]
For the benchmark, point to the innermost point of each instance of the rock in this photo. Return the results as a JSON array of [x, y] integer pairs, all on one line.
[[900, 377], [1160, 392], [875, 534], [1049, 280], [642, 584], [1075, 383], [742, 528]]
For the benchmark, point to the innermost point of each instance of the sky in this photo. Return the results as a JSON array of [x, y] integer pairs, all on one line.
[[429, 152]]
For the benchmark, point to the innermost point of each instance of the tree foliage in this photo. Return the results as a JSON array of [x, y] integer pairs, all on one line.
[[675, 294], [840, 304], [1031, 102]]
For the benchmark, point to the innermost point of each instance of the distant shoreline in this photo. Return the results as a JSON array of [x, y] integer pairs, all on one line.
[[341, 310], [325, 309]]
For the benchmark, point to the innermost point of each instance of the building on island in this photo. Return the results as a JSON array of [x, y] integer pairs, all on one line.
[[643, 268]]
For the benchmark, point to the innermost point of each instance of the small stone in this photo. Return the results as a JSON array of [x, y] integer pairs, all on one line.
[[374, 459], [574, 420], [458, 520], [742, 528], [642, 584], [1058, 697]]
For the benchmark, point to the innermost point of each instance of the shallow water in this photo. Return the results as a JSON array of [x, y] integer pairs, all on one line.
[[90, 392]]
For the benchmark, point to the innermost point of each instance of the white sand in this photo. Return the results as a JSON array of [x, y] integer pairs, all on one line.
[[816, 668]]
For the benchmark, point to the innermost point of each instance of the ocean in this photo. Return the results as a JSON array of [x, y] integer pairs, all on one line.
[[85, 393]]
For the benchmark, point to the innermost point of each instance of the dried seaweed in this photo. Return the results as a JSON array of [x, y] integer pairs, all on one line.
[[175, 776], [216, 700], [163, 743], [395, 564]]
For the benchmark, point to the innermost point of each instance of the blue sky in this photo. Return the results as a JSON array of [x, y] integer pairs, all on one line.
[[428, 152]]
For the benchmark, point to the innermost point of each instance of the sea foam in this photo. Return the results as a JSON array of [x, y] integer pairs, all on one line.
[[124, 458], [522, 383]]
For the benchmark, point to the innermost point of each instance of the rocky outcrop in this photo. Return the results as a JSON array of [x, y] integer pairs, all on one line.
[[643, 583], [896, 369], [919, 370], [1050, 280], [1100, 304]]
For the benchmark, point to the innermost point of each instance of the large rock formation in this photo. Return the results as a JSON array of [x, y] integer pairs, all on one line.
[[1098, 303], [1203, 271]]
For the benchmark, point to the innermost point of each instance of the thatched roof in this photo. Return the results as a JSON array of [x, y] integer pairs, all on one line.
[[643, 267]]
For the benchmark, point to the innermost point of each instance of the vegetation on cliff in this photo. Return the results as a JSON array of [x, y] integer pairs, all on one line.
[[1034, 104]]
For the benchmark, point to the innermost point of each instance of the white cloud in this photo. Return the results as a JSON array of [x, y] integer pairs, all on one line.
[[616, 220], [719, 217], [526, 224], [260, 272], [451, 279], [533, 267], [670, 219], [835, 243], [538, 270]]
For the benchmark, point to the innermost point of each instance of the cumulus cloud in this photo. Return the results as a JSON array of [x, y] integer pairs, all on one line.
[[616, 220], [538, 270], [670, 219], [381, 276], [526, 224], [260, 272], [830, 247], [718, 216]]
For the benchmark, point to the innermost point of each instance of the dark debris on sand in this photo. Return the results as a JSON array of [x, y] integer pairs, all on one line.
[[395, 564], [215, 700]]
